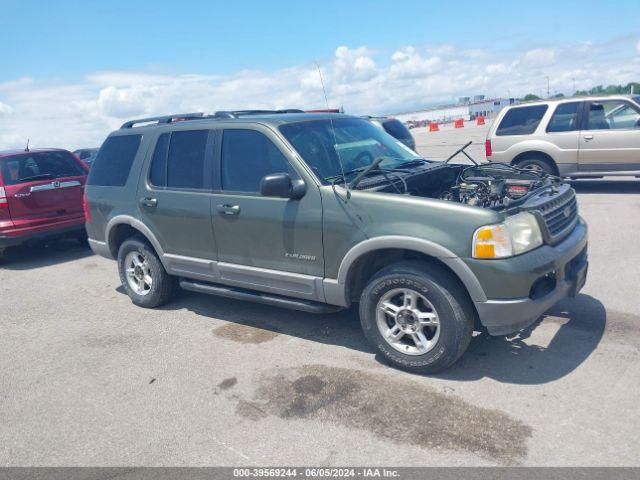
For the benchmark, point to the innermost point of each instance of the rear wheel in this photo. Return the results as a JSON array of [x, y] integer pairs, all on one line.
[[143, 276], [417, 317], [538, 165]]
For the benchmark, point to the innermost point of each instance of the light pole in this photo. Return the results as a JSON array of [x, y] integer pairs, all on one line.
[[547, 86]]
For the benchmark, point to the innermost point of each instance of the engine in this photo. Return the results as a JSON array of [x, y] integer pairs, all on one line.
[[491, 185], [488, 191]]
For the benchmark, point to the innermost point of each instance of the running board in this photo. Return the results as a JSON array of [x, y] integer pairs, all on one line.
[[259, 297], [601, 173]]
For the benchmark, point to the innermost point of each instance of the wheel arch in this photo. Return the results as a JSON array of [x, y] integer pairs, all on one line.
[[369, 256], [538, 155], [122, 227]]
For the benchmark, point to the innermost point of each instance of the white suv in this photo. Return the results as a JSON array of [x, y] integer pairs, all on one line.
[[572, 137]]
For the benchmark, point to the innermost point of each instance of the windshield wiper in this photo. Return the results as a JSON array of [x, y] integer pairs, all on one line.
[[374, 165], [42, 176], [414, 161]]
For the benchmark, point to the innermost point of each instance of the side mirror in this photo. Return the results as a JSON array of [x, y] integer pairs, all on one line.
[[281, 185]]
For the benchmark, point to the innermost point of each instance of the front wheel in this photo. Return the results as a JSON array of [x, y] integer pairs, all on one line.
[[143, 276], [417, 317]]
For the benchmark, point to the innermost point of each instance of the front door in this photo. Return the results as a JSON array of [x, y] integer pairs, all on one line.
[[175, 200], [610, 139], [265, 243]]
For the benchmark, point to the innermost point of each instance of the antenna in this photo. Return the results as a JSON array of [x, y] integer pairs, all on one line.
[[26, 149], [333, 131]]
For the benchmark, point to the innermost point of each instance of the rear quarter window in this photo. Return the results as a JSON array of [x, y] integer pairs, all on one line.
[[113, 163], [521, 120]]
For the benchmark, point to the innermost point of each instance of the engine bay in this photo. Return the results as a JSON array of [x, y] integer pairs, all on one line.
[[490, 185]]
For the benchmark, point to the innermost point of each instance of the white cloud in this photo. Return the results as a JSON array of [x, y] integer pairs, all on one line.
[[496, 69], [5, 109], [82, 113], [538, 57], [638, 46]]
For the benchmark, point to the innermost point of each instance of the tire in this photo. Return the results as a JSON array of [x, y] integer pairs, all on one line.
[[448, 334], [82, 237], [158, 287], [537, 165]]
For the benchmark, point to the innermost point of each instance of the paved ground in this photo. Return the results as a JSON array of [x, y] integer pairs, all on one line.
[[87, 378], [439, 145]]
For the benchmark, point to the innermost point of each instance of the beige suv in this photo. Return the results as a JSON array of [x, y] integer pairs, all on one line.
[[572, 137]]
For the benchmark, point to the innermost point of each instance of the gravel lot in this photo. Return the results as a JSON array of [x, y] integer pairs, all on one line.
[[87, 378]]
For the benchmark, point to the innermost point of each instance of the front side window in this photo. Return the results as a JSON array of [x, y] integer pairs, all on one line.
[[39, 166], [565, 118], [247, 157], [521, 120], [344, 144], [113, 163], [186, 159], [612, 115]]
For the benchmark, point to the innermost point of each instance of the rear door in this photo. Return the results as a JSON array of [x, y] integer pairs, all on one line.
[[610, 139], [175, 199], [44, 188]]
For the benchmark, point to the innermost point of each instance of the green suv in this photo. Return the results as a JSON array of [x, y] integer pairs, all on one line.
[[317, 212]]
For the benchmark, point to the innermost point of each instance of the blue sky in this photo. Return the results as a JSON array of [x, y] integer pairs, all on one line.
[[71, 71], [63, 39]]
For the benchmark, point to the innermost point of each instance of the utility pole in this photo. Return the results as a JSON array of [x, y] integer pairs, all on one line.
[[547, 86]]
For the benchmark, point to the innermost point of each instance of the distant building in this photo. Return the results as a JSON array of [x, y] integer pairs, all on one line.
[[466, 110]]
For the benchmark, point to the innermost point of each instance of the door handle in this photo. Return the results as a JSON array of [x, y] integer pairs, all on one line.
[[588, 137], [228, 209], [149, 202]]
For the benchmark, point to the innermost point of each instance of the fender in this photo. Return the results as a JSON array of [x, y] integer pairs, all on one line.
[[335, 289], [138, 225]]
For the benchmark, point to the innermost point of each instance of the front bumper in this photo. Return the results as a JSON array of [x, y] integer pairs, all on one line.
[[557, 272]]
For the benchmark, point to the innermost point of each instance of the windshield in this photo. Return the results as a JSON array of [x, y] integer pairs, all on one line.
[[355, 142]]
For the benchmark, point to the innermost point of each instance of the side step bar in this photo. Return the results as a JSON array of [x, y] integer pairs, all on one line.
[[259, 297]]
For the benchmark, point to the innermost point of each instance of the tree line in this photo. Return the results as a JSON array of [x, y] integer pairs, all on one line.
[[597, 90]]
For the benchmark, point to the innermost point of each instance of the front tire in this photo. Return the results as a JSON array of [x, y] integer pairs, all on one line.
[[143, 276], [417, 317]]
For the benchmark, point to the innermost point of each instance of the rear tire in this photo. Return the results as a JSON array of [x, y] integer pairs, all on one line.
[[407, 299], [537, 165], [143, 276]]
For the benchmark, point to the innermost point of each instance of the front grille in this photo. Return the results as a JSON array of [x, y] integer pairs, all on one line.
[[560, 214]]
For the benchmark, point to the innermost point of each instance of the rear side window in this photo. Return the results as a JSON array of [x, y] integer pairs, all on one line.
[[521, 120], [185, 161], [36, 166], [565, 118], [113, 163], [396, 129], [247, 157]]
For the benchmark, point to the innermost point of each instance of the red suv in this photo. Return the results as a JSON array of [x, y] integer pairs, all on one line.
[[41, 195]]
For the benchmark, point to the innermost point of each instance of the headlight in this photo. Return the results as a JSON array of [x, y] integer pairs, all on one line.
[[518, 234]]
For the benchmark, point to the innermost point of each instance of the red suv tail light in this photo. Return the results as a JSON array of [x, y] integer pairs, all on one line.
[[85, 207], [3, 198], [487, 148]]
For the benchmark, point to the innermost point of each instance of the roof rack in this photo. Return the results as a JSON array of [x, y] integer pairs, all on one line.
[[164, 119], [178, 117], [241, 113]]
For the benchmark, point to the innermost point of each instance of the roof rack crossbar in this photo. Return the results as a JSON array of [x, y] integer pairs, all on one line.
[[163, 119]]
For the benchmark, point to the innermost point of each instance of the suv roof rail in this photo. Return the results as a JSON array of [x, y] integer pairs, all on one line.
[[164, 119], [241, 113]]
